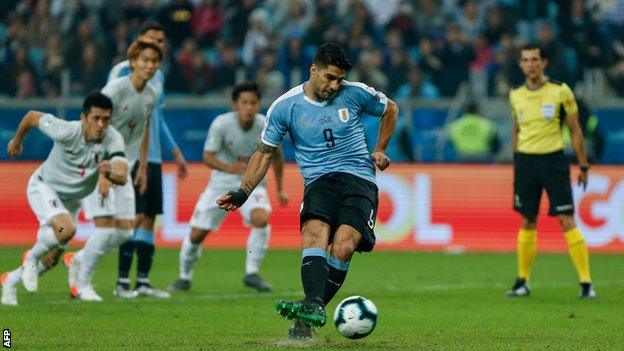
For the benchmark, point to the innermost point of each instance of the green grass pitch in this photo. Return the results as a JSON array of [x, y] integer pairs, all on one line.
[[429, 301]]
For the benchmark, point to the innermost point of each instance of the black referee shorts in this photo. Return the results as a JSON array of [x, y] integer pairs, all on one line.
[[150, 203], [532, 173], [343, 198]]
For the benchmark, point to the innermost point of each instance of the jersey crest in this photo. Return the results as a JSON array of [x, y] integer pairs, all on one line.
[[343, 114]]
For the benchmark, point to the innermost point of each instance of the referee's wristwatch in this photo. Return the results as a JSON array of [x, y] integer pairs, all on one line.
[[584, 168]]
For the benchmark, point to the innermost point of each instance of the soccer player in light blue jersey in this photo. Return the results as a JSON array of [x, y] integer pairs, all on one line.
[[149, 204], [323, 119]]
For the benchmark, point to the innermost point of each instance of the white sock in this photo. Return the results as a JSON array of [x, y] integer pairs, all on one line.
[[93, 250], [46, 241], [189, 253], [257, 245], [14, 277], [120, 237]]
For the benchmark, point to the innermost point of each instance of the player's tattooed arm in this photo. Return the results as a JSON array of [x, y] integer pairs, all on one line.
[[29, 121], [257, 167]]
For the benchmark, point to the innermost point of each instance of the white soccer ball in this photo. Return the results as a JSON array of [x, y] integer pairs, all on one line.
[[355, 317]]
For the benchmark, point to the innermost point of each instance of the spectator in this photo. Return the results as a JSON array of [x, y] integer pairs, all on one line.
[[427, 61], [404, 23], [193, 69], [227, 68], [118, 42], [207, 22], [21, 77], [473, 136], [90, 74], [53, 64], [289, 16], [368, 70], [238, 20], [557, 68], [496, 24], [430, 19], [268, 77], [176, 17], [40, 25], [470, 21], [257, 37], [582, 34], [456, 56], [293, 62], [84, 36], [396, 60], [417, 87]]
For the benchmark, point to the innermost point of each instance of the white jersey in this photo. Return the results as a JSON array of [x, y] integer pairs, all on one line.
[[131, 111], [231, 144], [71, 167]]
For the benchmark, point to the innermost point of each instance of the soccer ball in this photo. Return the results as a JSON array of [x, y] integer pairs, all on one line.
[[355, 317]]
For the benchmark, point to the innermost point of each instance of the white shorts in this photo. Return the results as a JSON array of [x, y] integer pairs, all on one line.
[[45, 202], [208, 216], [120, 202]]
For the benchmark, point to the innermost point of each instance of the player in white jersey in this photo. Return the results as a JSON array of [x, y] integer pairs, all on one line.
[[113, 208], [232, 139], [150, 203], [81, 150]]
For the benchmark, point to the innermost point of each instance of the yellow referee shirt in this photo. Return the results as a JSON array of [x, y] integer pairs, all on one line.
[[540, 114]]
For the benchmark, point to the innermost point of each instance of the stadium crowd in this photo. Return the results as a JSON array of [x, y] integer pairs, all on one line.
[[409, 48]]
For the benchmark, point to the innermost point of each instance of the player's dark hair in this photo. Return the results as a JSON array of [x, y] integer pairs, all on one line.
[[534, 46], [96, 99], [246, 86], [150, 25], [332, 54]]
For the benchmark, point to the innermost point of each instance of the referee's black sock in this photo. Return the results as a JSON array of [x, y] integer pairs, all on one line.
[[314, 273], [337, 274], [144, 240], [126, 252]]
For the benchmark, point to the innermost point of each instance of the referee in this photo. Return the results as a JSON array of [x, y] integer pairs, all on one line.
[[539, 108]]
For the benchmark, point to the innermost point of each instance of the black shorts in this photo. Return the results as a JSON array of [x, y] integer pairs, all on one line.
[[532, 173], [150, 203], [342, 198]]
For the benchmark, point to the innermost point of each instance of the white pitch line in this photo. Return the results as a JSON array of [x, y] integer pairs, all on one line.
[[387, 289]]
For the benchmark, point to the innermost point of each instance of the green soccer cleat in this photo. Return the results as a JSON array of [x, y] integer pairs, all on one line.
[[288, 309], [312, 314]]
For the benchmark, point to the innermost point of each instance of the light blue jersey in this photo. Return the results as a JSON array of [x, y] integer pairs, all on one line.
[[158, 126], [327, 136]]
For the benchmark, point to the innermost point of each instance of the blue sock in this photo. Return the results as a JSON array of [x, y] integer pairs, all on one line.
[[314, 273], [336, 276], [144, 241]]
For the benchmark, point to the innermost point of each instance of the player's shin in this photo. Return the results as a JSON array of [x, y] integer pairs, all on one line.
[[579, 254], [336, 276], [94, 249], [527, 249], [126, 253], [189, 253], [314, 273], [257, 245], [144, 242]]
